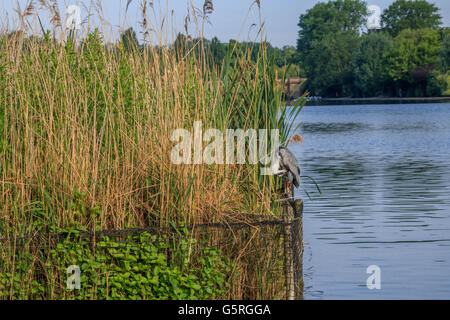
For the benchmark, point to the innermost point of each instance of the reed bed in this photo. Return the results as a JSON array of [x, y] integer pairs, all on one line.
[[86, 132]]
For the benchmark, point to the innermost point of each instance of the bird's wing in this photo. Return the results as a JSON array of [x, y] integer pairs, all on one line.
[[290, 163]]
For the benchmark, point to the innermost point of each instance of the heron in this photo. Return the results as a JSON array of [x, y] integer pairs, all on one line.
[[284, 164]]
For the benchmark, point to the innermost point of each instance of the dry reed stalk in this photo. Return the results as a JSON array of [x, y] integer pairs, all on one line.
[[98, 125]]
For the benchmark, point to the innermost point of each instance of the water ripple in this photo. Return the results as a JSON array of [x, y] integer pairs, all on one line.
[[384, 173]]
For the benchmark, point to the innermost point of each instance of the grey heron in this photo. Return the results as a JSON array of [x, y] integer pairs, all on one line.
[[286, 165]]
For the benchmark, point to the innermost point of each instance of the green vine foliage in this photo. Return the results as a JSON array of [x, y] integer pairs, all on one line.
[[142, 266]]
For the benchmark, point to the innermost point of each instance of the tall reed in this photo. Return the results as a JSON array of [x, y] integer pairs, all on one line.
[[86, 136]]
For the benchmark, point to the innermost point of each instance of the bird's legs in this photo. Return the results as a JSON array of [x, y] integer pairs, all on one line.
[[288, 189], [282, 173]]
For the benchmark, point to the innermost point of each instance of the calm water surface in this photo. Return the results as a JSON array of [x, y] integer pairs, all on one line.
[[384, 174]]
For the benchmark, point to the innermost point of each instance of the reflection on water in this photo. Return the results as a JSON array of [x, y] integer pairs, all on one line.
[[330, 128], [384, 174]]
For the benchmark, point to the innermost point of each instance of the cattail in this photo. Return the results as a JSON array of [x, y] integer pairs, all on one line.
[[29, 9], [208, 8], [56, 18], [295, 139], [144, 23], [187, 20], [43, 3], [128, 4]]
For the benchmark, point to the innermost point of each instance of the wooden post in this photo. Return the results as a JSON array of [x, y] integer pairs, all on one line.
[[297, 236], [293, 245], [288, 218]]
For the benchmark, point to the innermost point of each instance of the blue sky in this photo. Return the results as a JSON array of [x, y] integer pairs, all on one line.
[[229, 20]]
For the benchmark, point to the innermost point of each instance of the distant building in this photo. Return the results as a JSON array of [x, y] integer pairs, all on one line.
[[294, 88]]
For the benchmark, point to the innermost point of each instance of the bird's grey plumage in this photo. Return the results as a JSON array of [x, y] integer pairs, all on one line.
[[289, 163]]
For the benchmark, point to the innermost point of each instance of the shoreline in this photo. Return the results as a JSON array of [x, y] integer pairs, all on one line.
[[375, 100]]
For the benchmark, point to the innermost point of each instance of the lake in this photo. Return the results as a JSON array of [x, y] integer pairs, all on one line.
[[384, 172]]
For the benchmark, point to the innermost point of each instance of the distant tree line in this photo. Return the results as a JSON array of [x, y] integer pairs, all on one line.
[[286, 58], [408, 56]]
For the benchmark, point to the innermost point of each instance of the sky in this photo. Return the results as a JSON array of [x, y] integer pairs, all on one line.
[[231, 19]]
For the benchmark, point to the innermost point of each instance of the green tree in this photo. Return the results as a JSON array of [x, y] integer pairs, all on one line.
[[410, 14], [218, 50], [129, 40], [330, 67], [328, 35], [291, 71], [436, 84], [369, 63], [413, 57], [290, 55], [288, 62], [444, 58], [180, 45], [329, 18]]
